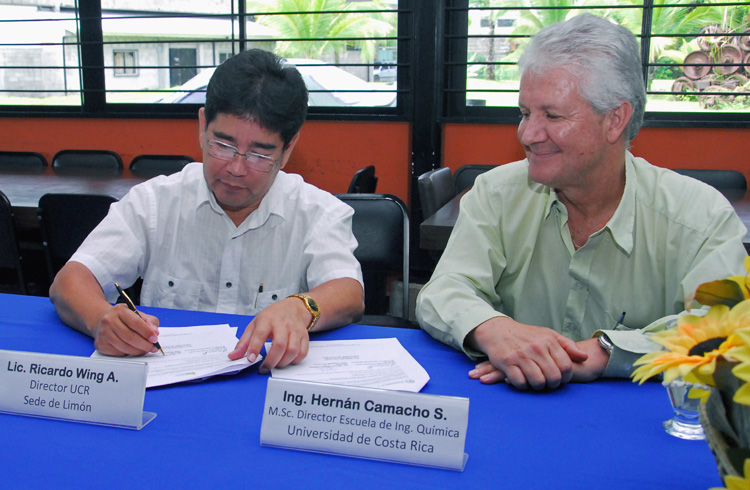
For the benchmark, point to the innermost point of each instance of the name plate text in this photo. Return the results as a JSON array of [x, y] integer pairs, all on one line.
[[81, 389], [397, 426]]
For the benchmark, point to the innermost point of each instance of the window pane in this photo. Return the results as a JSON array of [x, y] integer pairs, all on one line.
[[698, 61], [172, 48], [39, 57], [346, 53], [699, 55]]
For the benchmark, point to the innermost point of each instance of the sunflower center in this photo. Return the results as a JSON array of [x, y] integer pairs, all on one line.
[[706, 346]]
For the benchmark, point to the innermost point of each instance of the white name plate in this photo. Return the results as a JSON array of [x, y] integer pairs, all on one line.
[[397, 426], [81, 389]]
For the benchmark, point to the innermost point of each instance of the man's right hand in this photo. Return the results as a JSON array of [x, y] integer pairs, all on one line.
[[81, 304], [525, 356], [121, 332]]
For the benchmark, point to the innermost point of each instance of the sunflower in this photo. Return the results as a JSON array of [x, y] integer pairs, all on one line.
[[693, 346], [742, 370], [737, 482]]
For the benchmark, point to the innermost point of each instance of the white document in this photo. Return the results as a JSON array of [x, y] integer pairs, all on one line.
[[372, 363], [192, 353]]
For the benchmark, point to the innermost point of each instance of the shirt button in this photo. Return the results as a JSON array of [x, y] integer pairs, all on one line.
[[171, 283], [229, 284], [274, 297]]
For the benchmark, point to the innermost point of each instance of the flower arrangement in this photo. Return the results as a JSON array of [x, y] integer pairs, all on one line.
[[713, 350]]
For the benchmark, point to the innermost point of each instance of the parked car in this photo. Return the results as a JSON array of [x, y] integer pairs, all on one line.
[[385, 73], [324, 82]]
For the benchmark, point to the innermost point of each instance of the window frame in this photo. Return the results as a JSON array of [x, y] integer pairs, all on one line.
[[455, 110], [94, 91]]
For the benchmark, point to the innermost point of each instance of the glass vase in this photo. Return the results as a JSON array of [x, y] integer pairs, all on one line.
[[685, 423]]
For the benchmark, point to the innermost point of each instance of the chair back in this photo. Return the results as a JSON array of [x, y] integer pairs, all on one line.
[[465, 175], [435, 189], [364, 181], [153, 165], [96, 162], [65, 221], [381, 227], [720, 179], [22, 161], [11, 280]]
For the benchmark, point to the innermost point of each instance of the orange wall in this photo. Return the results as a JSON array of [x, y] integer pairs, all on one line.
[[667, 147], [327, 154]]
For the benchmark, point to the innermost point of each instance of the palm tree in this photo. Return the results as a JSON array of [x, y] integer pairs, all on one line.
[[536, 14], [329, 20], [668, 21]]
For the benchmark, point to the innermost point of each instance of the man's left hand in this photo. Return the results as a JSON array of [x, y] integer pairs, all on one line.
[[285, 323], [583, 372]]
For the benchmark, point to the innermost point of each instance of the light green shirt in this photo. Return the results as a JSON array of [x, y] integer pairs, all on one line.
[[510, 254]]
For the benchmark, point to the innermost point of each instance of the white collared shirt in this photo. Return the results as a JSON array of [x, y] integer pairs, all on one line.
[[171, 232]]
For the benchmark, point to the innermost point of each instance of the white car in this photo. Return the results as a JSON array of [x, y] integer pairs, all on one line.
[[340, 88], [385, 73]]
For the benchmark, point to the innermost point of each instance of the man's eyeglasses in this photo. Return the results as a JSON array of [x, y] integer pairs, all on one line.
[[256, 161]]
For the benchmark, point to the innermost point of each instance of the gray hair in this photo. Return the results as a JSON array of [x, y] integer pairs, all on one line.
[[604, 58]]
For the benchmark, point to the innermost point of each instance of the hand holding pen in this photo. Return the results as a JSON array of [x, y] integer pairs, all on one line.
[[131, 306]]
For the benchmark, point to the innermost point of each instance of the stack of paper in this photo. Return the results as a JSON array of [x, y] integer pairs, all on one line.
[[372, 363], [192, 353]]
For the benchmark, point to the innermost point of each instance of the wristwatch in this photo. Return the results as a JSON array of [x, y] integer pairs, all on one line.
[[311, 306], [606, 344]]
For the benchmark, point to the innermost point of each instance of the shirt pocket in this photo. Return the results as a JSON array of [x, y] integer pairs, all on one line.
[[173, 292], [267, 298]]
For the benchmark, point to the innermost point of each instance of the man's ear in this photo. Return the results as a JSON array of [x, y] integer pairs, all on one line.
[[288, 151], [618, 121]]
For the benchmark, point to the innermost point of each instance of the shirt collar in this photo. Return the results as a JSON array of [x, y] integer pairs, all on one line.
[[622, 224]]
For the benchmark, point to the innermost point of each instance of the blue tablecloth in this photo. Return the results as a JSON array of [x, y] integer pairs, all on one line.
[[606, 434]]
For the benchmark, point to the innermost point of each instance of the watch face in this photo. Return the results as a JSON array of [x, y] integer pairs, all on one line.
[[311, 302]]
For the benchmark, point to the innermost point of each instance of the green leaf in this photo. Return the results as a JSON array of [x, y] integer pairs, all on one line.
[[722, 292]]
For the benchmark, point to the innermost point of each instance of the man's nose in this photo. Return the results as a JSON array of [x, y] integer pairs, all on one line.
[[531, 130], [236, 166]]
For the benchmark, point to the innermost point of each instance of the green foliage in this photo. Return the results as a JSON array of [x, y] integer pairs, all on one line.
[[331, 19], [671, 72]]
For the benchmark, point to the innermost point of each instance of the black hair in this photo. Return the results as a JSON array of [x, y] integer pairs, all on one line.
[[258, 85]]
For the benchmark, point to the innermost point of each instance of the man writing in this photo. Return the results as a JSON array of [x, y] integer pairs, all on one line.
[[233, 234], [548, 252]]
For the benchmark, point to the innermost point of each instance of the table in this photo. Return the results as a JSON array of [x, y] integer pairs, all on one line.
[[605, 434], [436, 229], [25, 188]]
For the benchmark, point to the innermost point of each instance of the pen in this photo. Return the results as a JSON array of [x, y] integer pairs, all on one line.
[[260, 290], [130, 304], [619, 322]]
